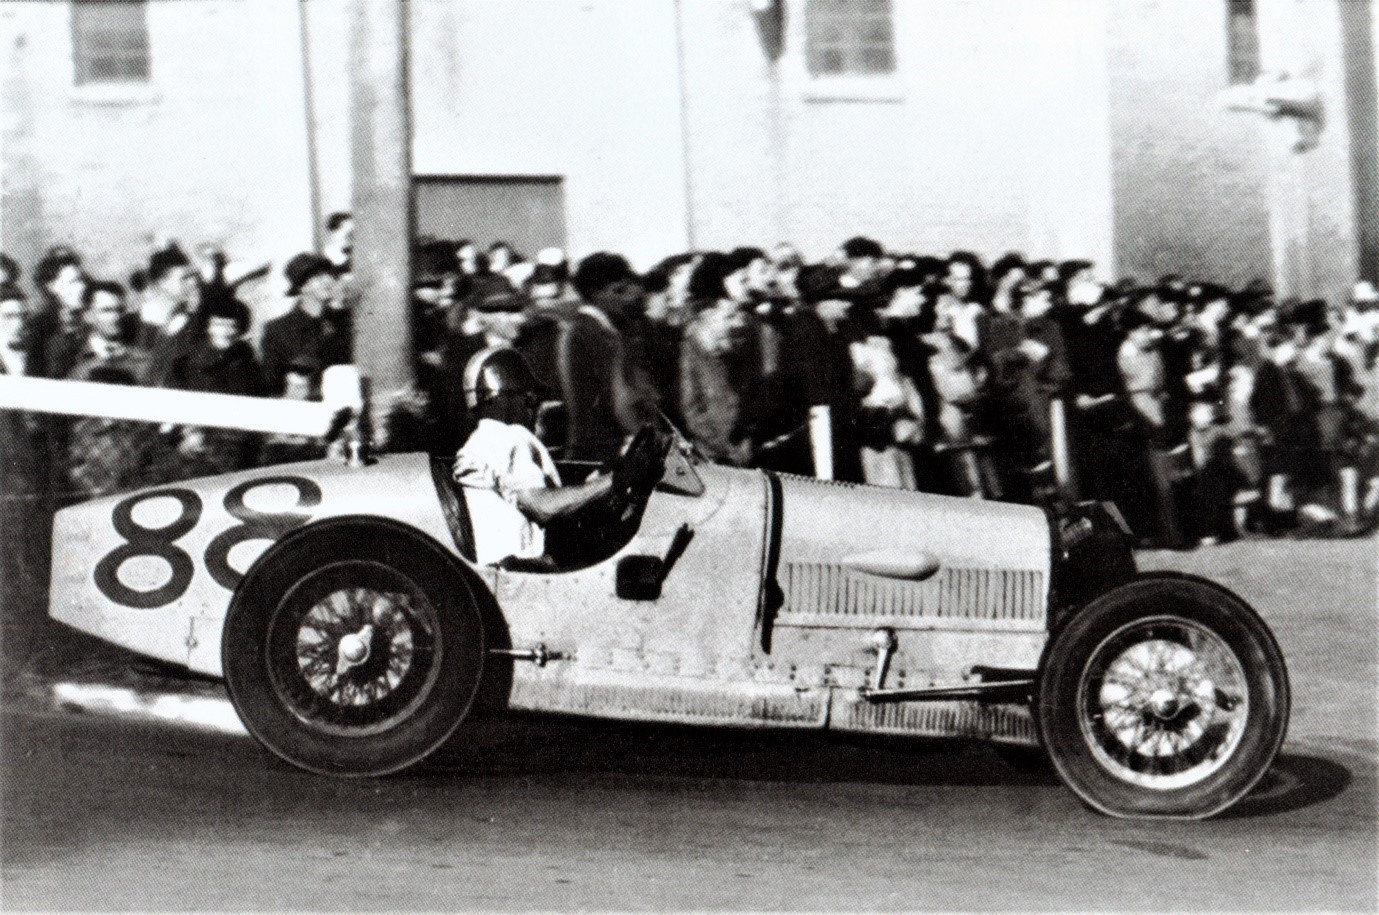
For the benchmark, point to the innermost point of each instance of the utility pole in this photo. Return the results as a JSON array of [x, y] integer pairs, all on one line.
[[381, 138]]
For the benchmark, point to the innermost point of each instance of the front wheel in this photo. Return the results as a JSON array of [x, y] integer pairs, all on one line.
[[352, 653], [1165, 697]]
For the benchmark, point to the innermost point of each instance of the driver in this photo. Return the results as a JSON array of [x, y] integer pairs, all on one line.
[[511, 484]]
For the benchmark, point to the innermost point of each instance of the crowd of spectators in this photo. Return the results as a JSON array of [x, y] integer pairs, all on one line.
[[1205, 413]]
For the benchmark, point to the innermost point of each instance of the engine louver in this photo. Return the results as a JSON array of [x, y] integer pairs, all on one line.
[[825, 593]]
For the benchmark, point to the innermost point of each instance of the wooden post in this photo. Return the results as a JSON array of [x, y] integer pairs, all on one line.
[[381, 135]]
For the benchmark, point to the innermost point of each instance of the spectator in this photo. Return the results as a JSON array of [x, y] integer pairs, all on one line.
[[599, 370], [1214, 477], [211, 264], [16, 333], [891, 415], [796, 384], [668, 312], [59, 327], [718, 366], [960, 378], [471, 260], [25, 521], [962, 308], [222, 362], [338, 245], [1008, 274], [108, 455], [1152, 511], [109, 340], [1329, 391], [169, 324], [304, 333]]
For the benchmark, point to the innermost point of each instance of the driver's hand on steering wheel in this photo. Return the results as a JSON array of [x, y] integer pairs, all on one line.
[[639, 468]]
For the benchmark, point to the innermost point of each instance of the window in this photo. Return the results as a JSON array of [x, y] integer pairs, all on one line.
[[110, 41], [849, 38], [1242, 42]]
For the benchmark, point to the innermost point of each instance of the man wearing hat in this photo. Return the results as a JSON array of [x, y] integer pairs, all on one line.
[[594, 360], [167, 316], [221, 362], [305, 332], [488, 315]]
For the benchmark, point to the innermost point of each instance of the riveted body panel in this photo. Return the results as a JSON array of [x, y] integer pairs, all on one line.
[[764, 618]]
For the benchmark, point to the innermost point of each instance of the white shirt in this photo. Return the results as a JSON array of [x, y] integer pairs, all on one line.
[[497, 462], [13, 361]]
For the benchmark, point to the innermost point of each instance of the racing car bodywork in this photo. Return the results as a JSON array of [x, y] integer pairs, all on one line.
[[355, 632]]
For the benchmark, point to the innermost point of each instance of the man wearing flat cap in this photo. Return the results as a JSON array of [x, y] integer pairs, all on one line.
[[306, 332]]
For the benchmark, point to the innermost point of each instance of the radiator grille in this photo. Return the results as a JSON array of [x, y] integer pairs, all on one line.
[[823, 590]]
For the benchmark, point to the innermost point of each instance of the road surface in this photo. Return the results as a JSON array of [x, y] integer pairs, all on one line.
[[105, 814]]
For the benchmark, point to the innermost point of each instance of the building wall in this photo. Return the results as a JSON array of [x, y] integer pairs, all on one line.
[[995, 116], [1060, 127], [585, 91], [1191, 177], [1313, 191], [704, 141], [212, 149]]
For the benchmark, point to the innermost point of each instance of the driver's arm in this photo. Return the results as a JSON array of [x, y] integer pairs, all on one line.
[[544, 505]]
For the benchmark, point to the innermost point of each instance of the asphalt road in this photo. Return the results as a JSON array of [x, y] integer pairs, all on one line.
[[102, 814]]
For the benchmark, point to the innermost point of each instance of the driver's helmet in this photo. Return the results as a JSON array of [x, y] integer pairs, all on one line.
[[494, 372]]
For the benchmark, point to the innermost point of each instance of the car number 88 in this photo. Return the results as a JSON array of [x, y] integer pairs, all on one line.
[[161, 542]]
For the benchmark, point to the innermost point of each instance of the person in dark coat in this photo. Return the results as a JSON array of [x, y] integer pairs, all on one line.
[[25, 508], [796, 390], [168, 318], [719, 374], [58, 328], [222, 362], [1328, 383], [599, 371], [305, 332]]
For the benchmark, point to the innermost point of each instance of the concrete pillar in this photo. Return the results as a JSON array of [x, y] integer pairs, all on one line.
[[1322, 184], [380, 104]]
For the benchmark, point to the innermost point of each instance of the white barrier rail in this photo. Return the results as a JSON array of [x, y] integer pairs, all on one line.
[[185, 408]]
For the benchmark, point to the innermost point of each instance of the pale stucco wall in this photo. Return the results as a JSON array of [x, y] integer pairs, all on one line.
[[212, 149], [991, 135], [1191, 177], [1058, 127]]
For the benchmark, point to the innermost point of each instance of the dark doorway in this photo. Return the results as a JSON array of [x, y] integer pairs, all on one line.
[[528, 212]]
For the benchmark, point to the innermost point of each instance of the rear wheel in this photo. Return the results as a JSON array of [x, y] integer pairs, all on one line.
[[1166, 697], [352, 655]]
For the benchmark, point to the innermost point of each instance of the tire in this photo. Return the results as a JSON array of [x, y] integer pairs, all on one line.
[[353, 650], [1166, 697]]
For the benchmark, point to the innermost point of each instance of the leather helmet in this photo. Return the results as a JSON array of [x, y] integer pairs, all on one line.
[[494, 372]]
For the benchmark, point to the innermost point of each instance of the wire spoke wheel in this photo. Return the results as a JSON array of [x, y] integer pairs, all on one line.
[[353, 647], [1164, 697], [1164, 702]]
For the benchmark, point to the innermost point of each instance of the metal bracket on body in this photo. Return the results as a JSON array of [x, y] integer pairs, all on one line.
[[540, 655], [997, 684], [1004, 691]]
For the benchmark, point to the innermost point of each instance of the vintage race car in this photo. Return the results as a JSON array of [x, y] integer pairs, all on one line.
[[354, 630]]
